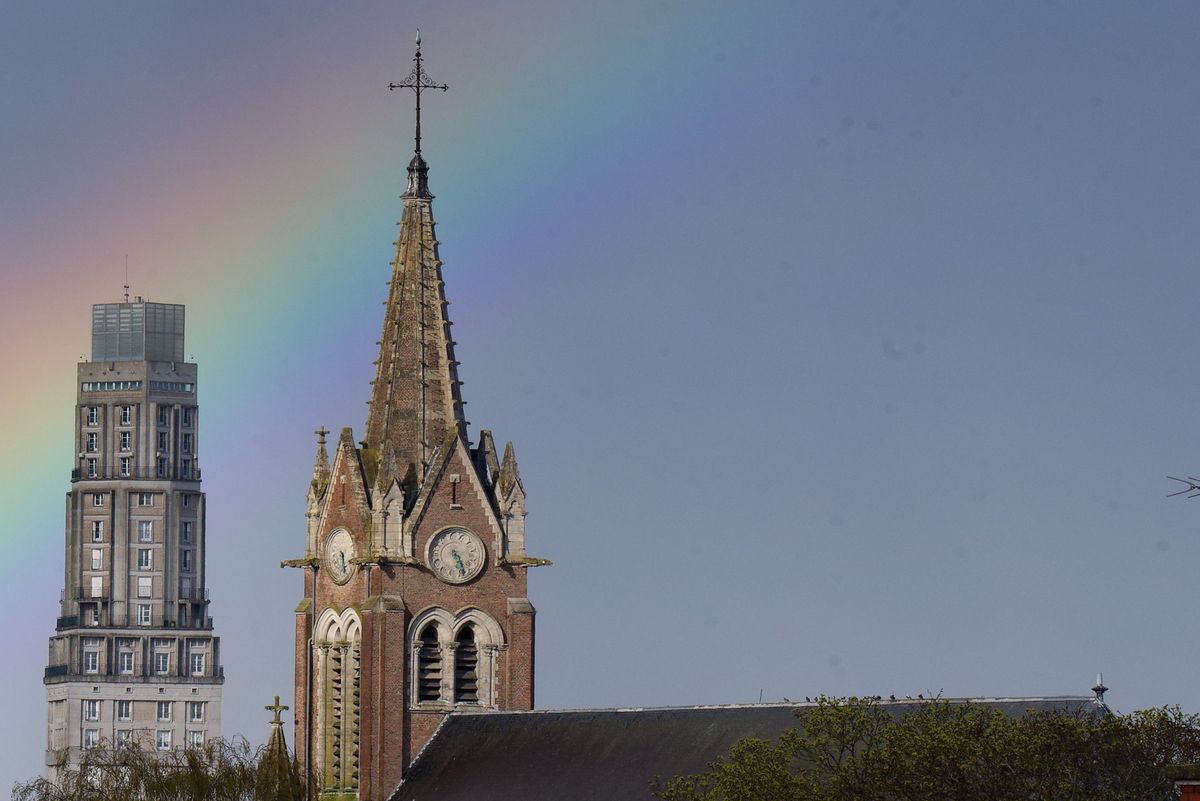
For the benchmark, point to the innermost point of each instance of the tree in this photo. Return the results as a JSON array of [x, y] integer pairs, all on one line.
[[852, 749], [220, 771]]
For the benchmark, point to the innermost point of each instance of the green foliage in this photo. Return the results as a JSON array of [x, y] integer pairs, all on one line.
[[852, 749], [220, 771]]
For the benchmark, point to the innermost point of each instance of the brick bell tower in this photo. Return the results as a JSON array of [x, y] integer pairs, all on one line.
[[415, 567]]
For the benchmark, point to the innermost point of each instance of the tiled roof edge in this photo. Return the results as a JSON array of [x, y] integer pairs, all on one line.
[[417, 758]]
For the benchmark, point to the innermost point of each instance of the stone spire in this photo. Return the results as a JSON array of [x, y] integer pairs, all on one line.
[[415, 399], [277, 777], [415, 403]]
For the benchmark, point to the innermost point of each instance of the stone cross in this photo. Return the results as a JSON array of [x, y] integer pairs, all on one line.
[[276, 708]]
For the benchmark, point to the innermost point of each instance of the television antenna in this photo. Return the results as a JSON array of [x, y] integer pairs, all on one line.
[[1193, 486]]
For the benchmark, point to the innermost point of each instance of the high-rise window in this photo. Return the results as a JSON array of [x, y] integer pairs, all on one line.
[[163, 412], [124, 710], [98, 530], [91, 468], [197, 664], [164, 710], [91, 661], [143, 587], [145, 498], [187, 415], [97, 588], [143, 614], [186, 531], [162, 468], [145, 559], [97, 499], [126, 439], [125, 663], [187, 443], [94, 615], [185, 468], [91, 442], [93, 415], [126, 415], [125, 465], [162, 441], [195, 739], [97, 559], [162, 663], [91, 709], [145, 531], [187, 499], [185, 561], [91, 738], [163, 741], [196, 711], [123, 736]]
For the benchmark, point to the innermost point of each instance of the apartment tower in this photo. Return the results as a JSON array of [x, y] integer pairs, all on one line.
[[133, 657]]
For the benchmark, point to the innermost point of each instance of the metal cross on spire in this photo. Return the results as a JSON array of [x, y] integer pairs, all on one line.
[[417, 80]]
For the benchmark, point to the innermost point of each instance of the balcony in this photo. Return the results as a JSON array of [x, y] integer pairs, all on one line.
[[63, 673], [195, 594], [105, 473], [107, 620]]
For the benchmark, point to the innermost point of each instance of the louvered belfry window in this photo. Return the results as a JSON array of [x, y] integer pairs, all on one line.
[[429, 666], [466, 667]]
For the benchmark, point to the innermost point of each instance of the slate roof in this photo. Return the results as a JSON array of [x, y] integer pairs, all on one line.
[[612, 754]]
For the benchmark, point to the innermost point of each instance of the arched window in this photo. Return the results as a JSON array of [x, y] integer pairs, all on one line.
[[337, 641], [466, 667], [429, 665]]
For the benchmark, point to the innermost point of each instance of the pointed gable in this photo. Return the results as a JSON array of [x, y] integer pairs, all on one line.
[[347, 501], [454, 458]]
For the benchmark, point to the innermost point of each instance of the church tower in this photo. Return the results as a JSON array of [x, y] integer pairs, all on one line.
[[414, 566], [133, 657]]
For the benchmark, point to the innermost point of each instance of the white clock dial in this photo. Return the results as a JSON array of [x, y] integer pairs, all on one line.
[[339, 551], [455, 555]]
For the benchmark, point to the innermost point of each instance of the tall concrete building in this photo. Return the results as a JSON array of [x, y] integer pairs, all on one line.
[[133, 655], [415, 602]]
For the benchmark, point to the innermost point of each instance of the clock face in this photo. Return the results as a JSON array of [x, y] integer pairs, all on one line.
[[339, 550], [455, 555]]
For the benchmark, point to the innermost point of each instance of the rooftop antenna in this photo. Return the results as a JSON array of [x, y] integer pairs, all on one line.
[[1193, 486], [126, 277], [1099, 689]]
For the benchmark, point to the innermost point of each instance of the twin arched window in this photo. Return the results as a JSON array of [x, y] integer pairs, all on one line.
[[454, 660]]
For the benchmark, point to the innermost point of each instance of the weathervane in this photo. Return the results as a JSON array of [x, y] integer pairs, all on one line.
[[417, 80]]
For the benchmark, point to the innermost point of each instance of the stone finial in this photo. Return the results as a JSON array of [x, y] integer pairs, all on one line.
[[321, 462]]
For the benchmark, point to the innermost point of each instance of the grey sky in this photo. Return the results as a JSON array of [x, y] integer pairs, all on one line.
[[846, 352]]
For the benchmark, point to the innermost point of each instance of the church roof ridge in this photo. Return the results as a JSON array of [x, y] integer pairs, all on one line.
[[981, 699]]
